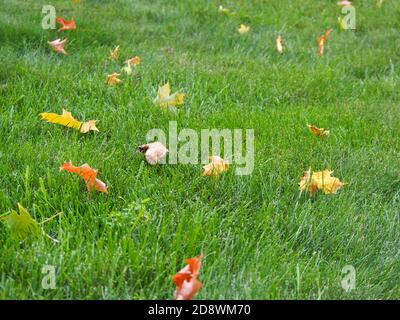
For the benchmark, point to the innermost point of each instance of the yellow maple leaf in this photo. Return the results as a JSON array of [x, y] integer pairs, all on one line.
[[164, 99], [320, 180], [114, 53], [66, 119], [215, 167], [112, 79], [243, 29], [307, 184], [326, 182], [318, 132]]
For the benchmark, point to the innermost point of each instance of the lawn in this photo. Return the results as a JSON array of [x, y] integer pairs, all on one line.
[[260, 237]]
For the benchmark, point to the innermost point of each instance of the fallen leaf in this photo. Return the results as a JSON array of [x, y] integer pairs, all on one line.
[[114, 53], [344, 3], [58, 45], [307, 184], [153, 152], [112, 79], [88, 174], [279, 44], [215, 167], [222, 9], [318, 132], [89, 126], [65, 24], [186, 281], [321, 180], [243, 29], [133, 61], [321, 41], [326, 182], [66, 119], [22, 224], [164, 99]]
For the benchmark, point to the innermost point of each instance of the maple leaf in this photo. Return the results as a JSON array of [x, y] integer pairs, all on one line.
[[66, 119], [164, 99], [326, 182], [243, 29], [222, 9], [153, 152], [112, 79], [22, 224], [307, 184], [114, 53], [65, 24], [279, 47], [133, 61], [186, 282], [321, 180], [344, 3], [215, 167], [318, 132], [88, 174], [321, 41], [58, 45]]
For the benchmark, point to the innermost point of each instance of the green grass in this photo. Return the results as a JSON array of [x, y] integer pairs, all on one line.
[[260, 240]]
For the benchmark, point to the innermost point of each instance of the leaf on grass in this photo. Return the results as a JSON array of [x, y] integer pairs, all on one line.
[[243, 29], [279, 47], [164, 99], [112, 79], [133, 61], [318, 132], [344, 3], [66, 119], [114, 53], [222, 9], [88, 174], [58, 45], [321, 41], [65, 24], [153, 152], [215, 167], [320, 180], [22, 224], [187, 284]]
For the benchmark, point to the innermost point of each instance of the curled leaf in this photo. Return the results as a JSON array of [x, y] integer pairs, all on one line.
[[243, 29], [88, 174], [344, 3], [222, 9], [58, 45], [215, 167], [153, 152], [279, 47], [318, 132], [164, 99], [321, 41], [65, 24], [112, 79], [186, 282], [114, 53], [133, 61], [66, 119]]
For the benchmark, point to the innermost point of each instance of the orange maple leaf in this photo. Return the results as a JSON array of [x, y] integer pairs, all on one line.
[[186, 281], [65, 24], [88, 174]]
